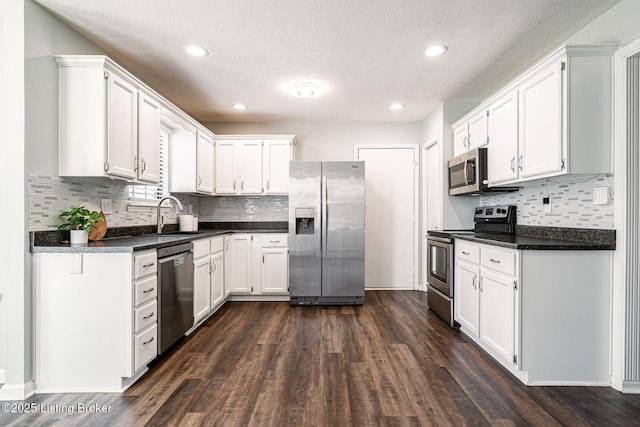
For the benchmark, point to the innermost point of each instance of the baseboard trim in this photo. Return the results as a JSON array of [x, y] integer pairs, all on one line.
[[17, 391], [631, 387]]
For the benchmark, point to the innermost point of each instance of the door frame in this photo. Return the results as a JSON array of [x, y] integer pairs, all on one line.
[[417, 223]]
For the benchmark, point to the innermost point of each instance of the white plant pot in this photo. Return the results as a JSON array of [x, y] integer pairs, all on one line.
[[79, 237]]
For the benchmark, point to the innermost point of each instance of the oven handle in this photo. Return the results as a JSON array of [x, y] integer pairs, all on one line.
[[439, 239]]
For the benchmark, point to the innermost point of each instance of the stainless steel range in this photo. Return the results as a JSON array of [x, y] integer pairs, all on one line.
[[440, 252]]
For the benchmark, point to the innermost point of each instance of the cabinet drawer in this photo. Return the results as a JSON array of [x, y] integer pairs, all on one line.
[[499, 260], [145, 347], [217, 245], [274, 240], [146, 289], [146, 315], [468, 252], [201, 248], [145, 264]]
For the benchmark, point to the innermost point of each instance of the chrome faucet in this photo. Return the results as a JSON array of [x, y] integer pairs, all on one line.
[[178, 209]]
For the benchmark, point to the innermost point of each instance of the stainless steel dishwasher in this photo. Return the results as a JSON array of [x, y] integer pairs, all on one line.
[[175, 296]]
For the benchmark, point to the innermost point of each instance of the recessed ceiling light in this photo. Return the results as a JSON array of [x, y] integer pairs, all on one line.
[[397, 106], [195, 50], [436, 50], [305, 90], [239, 106]]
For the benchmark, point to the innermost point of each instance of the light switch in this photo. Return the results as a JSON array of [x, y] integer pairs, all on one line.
[[107, 206], [76, 264], [601, 196]]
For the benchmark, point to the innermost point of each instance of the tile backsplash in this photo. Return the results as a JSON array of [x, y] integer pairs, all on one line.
[[51, 195], [571, 203], [238, 208]]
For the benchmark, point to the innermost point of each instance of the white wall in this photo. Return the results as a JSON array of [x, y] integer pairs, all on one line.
[[15, 287], [323, 141]]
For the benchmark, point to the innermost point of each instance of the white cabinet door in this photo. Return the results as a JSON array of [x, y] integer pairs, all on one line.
[[477, 130], [148, 139], [503, 136], [466, 299], [497, 313], [541, 122], [201, 288], [217, 279], [250, 171], [122, 123], [225, 168], [238, 263], [275, 270], [204, 164], [276, 157], [460, 138]]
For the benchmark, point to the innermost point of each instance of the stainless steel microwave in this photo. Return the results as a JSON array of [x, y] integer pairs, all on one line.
[[468, 174]]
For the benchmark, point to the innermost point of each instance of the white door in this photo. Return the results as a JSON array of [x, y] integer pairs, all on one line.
[[391, 200]]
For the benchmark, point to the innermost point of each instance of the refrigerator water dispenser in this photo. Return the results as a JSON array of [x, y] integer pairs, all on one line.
[[305, 220]]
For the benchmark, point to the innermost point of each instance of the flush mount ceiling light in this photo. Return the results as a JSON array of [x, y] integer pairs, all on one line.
[[396, 106], [195, 50], [305, 89], [239, 106], [436, 50]]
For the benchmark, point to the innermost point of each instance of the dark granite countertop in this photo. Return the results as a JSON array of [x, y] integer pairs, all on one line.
[[548, 238], [131, 239]]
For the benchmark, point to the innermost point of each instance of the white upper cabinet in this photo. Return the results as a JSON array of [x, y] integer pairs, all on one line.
[[502, 158], [470, 133], [276, 155], [563, 108], [204, 163], [250, 170], [540, 144], [148, 131], [106, 122], [253, 164]]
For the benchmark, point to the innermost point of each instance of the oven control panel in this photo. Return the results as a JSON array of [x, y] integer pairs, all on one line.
[[503, 214]]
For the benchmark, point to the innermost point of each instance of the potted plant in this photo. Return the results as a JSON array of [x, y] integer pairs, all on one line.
[[79, 222]]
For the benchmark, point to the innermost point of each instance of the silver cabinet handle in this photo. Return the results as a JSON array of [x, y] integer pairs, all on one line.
[[234, 185], [146, 291], [135, 163], [144, 165], [149, 315], [497, 261], [274, 241], [465, 253], [513, 164], [147, 342], [199, 180], [473, 282], [268, 184], [149, 265], [520, 162], [464, 141]]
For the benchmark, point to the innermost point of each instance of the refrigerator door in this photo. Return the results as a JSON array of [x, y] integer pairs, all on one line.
[[305, 262], [343, 215]]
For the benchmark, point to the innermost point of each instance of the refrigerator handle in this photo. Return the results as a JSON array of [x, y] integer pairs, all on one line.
[[325, 216]]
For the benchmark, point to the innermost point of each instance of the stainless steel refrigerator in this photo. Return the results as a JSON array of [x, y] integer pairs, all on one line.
[[326, 233]]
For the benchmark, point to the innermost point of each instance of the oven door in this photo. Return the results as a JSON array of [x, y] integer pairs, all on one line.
[[440, 264]]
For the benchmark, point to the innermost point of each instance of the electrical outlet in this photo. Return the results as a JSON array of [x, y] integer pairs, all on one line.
[[107, 206], [76, 264], [601, 196], [546, 201]]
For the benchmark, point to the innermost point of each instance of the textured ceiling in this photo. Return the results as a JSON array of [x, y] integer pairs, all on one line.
[[367, 53]]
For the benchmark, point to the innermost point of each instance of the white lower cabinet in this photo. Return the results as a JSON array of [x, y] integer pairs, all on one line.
[[208, 269], [542, 314], [95, 320], [256, 264]]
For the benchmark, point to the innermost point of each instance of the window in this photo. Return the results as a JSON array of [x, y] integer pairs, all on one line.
[[155, 192]]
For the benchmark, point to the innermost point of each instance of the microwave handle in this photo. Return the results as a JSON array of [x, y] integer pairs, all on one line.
[[466, 177]]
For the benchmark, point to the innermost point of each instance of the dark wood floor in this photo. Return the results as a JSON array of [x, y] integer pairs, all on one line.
[[390, 362]]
